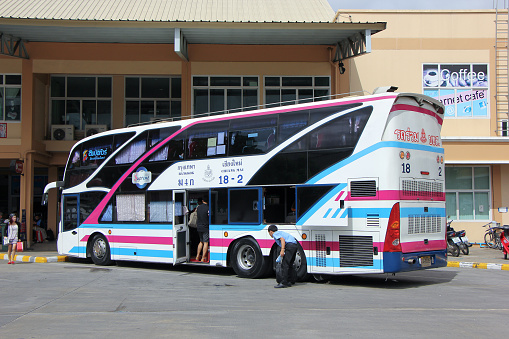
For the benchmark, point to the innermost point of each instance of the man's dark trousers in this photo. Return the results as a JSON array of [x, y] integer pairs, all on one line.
[[289, 274]]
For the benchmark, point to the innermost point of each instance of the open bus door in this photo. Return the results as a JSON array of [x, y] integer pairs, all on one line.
[[180, 234]]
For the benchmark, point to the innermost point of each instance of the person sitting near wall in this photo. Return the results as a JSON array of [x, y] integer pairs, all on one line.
[[38, 227]]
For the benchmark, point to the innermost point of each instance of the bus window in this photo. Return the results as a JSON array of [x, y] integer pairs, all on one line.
[[252, 135], [121, 139], [133, 150], [157, 135], [130, 207], [160, 206], [278, 203], [308, 196], [317, 114], [283, 168], [290, 124], [88, 202], [207, 140], [107, 215], [173, 150], [343, 131], [244, 206], [219, 206], [70, 209]]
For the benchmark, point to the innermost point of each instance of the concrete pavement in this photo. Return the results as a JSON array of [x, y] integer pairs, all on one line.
[[479, 257]]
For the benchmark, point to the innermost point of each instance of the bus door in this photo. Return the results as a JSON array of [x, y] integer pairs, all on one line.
[[180, 233], [69, 237]]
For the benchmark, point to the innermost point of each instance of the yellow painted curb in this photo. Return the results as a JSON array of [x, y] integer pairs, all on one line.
[[485, 266], [27, 258]]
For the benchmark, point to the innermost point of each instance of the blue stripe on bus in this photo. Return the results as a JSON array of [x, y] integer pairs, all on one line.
[[140, 252], [143, 226], [363, 212], [327, 213], [334, 262], [320, 203], [407, 211], [345, 214], [218, 256], [377, 146], [336, 213]]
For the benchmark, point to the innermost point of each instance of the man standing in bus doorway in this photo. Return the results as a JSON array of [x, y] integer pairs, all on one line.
[[289, 247], [202, 224]]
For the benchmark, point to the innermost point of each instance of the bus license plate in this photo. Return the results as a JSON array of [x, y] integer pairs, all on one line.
[[425, 261]]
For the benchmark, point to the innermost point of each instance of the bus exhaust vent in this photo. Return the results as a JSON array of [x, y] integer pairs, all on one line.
[[365, 188], [373, 220], [412, 189], [424, 224], [321, 250], [355, 251]]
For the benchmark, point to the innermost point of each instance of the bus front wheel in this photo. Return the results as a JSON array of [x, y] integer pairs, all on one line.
[[247, 259], [100, 251]]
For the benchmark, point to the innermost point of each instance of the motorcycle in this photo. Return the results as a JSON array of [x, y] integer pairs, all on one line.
[[504, 239], [459, 238]]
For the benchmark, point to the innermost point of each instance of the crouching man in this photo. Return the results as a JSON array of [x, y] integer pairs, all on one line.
[[289, 248]]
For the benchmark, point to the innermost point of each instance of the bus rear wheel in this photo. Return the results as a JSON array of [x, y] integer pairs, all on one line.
[[100, 251], [247, 259]]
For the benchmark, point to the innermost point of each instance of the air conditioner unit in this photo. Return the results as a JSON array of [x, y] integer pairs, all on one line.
[[62, 132], [94, 129]]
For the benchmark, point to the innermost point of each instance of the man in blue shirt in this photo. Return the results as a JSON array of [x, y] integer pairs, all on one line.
[[289, 248]]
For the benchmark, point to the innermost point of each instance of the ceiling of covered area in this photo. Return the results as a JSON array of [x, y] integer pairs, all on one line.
[[209, 33]]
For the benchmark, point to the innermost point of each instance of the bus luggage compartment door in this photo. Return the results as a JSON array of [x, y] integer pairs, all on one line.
[[180, 233], [359, 252]]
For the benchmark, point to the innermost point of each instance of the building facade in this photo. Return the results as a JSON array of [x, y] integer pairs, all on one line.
[[69, 72]]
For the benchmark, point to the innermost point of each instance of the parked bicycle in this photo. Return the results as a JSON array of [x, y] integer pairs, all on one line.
[[492, 236]]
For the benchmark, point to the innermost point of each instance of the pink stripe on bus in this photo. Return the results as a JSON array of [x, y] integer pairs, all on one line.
[[339, 195], [398, 195], [140, 240], [403, 107], [419, 246], [93, 218]]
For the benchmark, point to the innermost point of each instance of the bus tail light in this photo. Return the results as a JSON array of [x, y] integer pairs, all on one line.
[[392, 240]]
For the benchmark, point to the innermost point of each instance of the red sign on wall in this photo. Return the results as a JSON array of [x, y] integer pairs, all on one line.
[[18, 166]]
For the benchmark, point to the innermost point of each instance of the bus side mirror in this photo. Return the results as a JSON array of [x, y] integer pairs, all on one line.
[[44, 200]]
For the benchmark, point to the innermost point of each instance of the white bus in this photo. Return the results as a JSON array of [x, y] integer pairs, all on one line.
[[359, 182]]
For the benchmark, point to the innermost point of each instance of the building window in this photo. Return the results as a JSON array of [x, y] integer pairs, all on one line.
[[289, 90], [467, 193], [10, 97], [216, 94], [149, 98], [81, 101], [462, 88]]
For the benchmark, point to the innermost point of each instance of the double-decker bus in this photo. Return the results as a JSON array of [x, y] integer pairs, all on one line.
[[358, 181]]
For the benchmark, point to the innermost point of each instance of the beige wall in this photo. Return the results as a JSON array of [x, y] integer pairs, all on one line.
[[416, 37]]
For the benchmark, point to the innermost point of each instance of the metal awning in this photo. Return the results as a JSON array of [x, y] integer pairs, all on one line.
[[351, 38]]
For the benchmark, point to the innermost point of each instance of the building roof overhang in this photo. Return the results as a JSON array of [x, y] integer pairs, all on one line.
[[350, 38]]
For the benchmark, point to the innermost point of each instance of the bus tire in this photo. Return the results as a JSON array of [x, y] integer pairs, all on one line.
[[100, 251], [300, 265], [247, 259]]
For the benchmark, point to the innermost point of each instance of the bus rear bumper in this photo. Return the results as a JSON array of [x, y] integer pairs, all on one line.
[[400, 262]]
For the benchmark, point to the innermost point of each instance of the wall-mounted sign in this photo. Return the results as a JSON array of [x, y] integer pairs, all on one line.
[[18, 166], [462, 88], [3, 130]]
